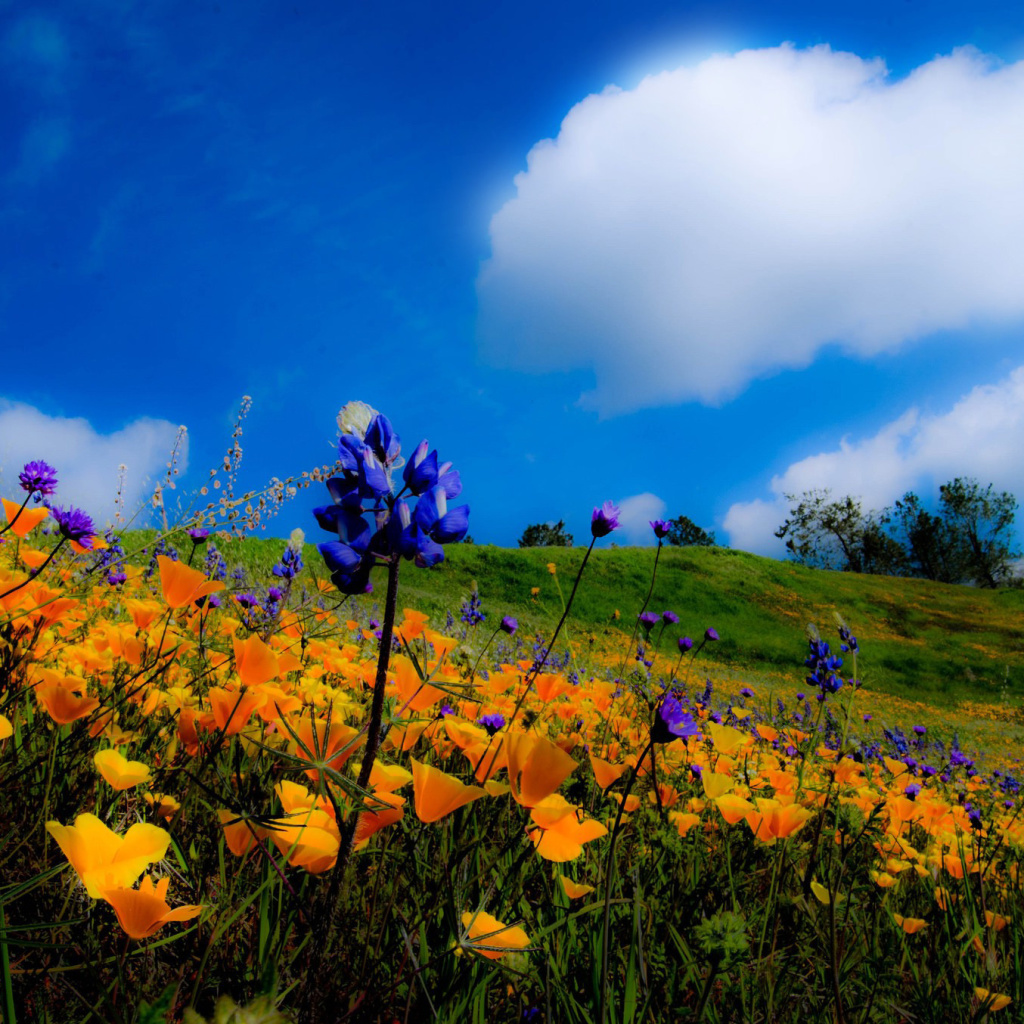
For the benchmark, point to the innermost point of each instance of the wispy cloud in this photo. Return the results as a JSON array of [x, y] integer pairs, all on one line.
[[87, 462], [635, 515], [728, 220], [35, 52], [978, 437]]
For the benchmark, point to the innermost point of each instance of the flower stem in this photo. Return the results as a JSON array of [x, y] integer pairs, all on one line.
[[647, 601]]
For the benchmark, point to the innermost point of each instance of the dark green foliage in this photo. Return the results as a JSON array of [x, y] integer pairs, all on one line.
[[684, 532], [981, 520], [970, 540], [546, 535]]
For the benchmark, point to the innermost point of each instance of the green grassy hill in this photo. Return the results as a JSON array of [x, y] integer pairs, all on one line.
[[919, 640]]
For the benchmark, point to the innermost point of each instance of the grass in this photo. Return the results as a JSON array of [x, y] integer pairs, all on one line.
[[924, 641], [758, 870]]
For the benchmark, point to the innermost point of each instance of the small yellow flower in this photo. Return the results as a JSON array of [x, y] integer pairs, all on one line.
[[552, 568]]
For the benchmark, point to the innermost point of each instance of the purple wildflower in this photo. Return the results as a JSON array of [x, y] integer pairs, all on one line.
[[685, 643], [604, 520], [508, 625], [492, 723], [38, 477], [74, 524], [671, 722], [660, 528], [710, 634], [669, 618]]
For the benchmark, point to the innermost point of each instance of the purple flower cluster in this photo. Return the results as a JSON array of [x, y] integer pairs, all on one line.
[[368, 460], [74, 524], [605, 519], [39, 478], [672, 721]]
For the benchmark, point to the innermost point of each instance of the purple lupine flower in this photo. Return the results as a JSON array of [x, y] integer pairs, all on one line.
[[38, 477], [669, 618], [671, 722], [660, 528], [508, 625], [605, 519], [74, 524]]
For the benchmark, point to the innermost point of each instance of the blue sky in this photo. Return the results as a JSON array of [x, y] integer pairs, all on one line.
[[742, 267]]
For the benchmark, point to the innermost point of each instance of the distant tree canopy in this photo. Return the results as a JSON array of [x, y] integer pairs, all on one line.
[[684, 532], [546, 535], [969, 540]]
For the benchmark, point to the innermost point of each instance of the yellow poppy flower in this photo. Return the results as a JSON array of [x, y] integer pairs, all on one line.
[[102, 858], [487, 936], [119, 772]]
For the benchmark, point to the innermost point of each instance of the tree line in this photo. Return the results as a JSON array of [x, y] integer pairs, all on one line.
[[968, 539], [682, 531]]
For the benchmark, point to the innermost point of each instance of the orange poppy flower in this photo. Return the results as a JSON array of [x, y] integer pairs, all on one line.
[[333, 746], [255, 662], [574, 890], [119, 772], [536, 767], [993, 1001], [559, 830], [774, 820], [181, 585], [232, 709], [436, 793], [23, 520], [142, 911], [911, 925], [487, 936], [604, 772], [63, 704], [102, 858], [240, 836]]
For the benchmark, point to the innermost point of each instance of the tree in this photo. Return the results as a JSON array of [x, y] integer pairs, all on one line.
[[546, 535], [825, 533], [981, 521], [929, 545], [684, 532]]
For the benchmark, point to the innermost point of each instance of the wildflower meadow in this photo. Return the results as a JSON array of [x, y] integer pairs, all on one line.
[[238, 794]]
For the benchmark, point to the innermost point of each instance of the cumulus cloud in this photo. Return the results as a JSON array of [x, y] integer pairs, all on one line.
[[86, 461], [725, 221], [635, 515], [978, 437]]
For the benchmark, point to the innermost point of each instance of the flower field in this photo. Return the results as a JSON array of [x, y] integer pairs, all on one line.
[[241, 798]]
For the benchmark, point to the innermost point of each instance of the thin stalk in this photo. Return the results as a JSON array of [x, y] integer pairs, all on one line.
[[647, 599]]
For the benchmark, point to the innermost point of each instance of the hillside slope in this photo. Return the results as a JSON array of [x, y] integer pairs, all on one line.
[[919, 639]]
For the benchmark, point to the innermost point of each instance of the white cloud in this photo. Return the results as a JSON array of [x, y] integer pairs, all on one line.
[[979, 437], [635, 515], [727, 220], [86, 462]]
